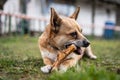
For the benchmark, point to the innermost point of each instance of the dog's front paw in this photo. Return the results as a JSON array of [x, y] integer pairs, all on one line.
[[46, 69], [93, 57]]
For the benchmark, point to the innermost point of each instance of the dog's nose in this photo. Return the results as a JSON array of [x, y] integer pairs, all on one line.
[[86, 43]]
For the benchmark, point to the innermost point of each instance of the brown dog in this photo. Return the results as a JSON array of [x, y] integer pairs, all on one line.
[[60, 33]]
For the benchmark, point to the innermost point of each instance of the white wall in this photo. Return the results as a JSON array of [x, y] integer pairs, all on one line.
[[101, 17], [34, 10], [11, 6], [85, 17], [62, 9]]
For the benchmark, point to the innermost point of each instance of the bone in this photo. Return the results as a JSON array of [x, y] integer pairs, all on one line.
[[62, 55]]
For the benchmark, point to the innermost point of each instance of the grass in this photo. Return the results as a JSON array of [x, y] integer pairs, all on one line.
[[20, 59]]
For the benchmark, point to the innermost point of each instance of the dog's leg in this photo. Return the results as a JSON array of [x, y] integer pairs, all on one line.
[[48, 65], [89, 53], [68, 63]]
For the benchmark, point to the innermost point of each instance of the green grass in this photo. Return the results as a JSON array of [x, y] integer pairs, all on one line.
[[20, 59]]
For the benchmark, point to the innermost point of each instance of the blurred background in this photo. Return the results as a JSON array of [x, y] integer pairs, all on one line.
[[99, 18]]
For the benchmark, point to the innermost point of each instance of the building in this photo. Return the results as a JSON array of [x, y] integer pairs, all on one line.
[[92, 17]]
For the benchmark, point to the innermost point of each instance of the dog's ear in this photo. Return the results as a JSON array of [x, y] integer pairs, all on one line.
[[55, 21], [75, 14]]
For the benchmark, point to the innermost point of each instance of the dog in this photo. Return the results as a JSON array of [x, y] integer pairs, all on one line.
[[59, 33]]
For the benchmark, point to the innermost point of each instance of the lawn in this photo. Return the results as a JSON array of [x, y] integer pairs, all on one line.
[[20, 59]]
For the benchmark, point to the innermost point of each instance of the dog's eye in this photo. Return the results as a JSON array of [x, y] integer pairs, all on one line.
[[74, 34]]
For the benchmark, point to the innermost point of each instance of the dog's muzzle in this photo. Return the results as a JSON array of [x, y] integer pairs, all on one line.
[[78, 44]]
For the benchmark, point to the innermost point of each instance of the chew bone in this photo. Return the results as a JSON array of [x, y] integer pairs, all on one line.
[[62, 55]]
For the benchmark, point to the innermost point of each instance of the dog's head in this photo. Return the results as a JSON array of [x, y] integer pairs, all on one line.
[[65, 31]]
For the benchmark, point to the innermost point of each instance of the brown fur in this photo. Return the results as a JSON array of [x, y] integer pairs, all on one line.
[[56, 34]]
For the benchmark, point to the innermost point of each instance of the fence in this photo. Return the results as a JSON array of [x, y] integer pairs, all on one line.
[[22, 24]]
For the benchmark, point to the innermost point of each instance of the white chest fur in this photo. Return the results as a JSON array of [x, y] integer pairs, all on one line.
[[53, 56], [46, 53]]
